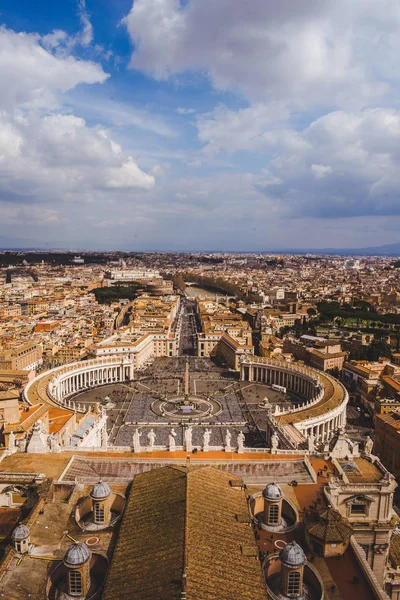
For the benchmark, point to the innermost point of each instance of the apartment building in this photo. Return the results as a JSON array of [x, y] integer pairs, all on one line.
[[24, 357]]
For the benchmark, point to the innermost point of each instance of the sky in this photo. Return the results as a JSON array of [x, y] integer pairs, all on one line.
[[195, 125]]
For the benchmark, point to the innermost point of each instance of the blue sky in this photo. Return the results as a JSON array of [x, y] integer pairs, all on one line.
[[194, 125]]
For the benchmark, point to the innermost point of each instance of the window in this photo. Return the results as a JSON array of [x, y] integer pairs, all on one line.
[[273, 514], [19, 546], [75, 582], [358, 509], [294, 583], [99, 513]]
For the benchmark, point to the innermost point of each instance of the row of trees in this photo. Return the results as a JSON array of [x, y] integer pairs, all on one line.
[[219, 285], [330, 310], [107, 295]]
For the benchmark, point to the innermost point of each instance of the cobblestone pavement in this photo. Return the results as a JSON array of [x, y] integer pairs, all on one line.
[[130, 405]]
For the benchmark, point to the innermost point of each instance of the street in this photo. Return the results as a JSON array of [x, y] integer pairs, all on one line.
[[186, 329]]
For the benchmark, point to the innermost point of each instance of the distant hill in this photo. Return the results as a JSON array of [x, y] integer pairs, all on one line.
[[386, 250], [13, 243]]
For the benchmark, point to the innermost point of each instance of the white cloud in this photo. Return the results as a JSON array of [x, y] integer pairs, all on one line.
[[359, 176], [45, 155], [121, 114], [158, 170], [63, 43], [86, 35], [306, 52], [185, 111], [23, 213], [34, 76], [246, 129], [321, 171]]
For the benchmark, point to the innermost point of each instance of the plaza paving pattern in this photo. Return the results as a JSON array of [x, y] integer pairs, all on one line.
[[131, 404]]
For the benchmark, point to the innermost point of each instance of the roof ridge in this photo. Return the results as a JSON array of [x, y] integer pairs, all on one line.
[[186, 537]]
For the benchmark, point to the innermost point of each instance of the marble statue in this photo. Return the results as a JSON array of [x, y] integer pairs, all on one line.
[[104, 437], [274, 441], [151, 436], [136, 441], [206, 440], [188, 439], [11, 441], [66, 438], [38, 440], [311, 443], [228, 438], [368, 444], [22, 442], [54, 445], [171, 440], [240, 442]]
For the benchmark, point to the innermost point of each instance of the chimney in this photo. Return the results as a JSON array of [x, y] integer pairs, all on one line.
[[187, 461]]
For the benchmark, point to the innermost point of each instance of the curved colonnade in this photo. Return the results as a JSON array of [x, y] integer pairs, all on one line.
[[320, 412], [57, 386], [323, 410]]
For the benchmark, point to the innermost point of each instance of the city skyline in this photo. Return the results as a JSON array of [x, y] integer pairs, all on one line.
[[193, 125]]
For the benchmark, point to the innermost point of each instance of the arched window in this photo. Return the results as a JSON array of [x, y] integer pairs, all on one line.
[[293, 583], [75, 583], [273, 514], [99, 512]]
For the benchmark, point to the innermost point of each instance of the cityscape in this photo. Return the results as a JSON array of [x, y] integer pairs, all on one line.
[[199, 300], [183, 408]]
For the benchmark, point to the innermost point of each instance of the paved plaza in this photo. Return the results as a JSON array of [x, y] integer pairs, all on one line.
[[138, 404]]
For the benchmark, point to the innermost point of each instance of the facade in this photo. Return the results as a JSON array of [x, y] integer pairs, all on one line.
[[132, 275], [363, 495], [325, 355], [387, 440], [223, 334], [25, 357], [375, 385]]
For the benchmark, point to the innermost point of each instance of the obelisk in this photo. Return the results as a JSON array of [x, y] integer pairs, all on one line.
[[187, 380]]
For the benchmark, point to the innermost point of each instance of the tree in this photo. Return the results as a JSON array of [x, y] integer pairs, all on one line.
[[379, 349], [179, 282]]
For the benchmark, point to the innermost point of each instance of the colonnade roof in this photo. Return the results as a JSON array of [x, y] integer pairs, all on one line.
[[37, 392], [37, 389], [333, 397]]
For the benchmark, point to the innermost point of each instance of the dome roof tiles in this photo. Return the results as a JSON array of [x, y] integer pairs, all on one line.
[[77, 554], [293, 555], [100, 490], [272, 492], [21, 532]]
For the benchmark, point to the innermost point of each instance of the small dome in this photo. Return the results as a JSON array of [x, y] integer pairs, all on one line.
[[77, 554], [293, 555], [100, 491], [21, 532], [272, 492]]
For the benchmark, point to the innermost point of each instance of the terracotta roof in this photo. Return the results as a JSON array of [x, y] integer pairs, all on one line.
[[180, 521], [148, 558], [328, 525], [392, 383]]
